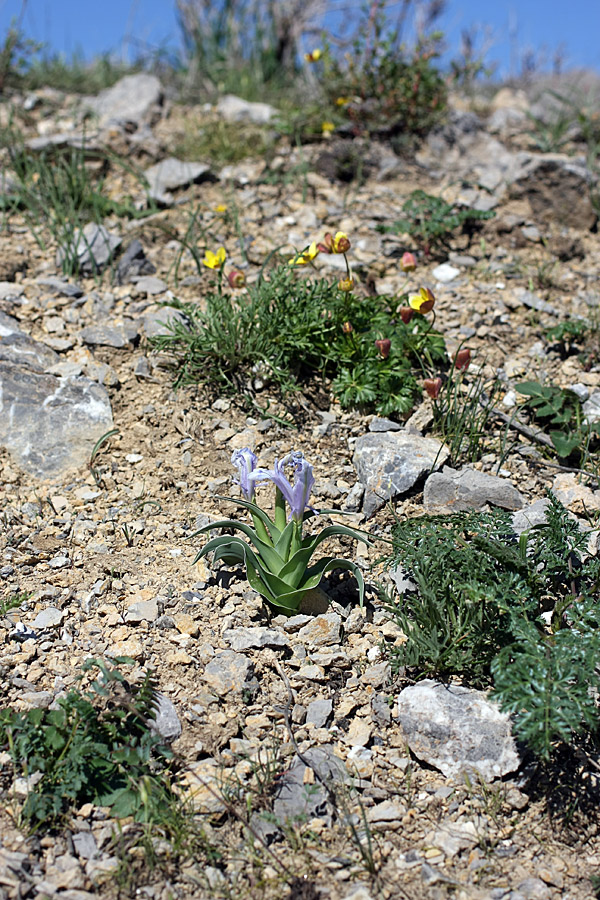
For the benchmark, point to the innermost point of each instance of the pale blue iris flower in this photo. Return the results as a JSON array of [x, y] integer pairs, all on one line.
[[296, 495], [245, 461]]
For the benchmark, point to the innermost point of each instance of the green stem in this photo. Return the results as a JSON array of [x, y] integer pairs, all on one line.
[[280, 513]]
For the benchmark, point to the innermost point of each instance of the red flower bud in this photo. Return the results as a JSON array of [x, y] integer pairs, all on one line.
[[433, 387], [408, 262], [236, 279], [326, 246], [406, 314], [384, 345], [462, 359]]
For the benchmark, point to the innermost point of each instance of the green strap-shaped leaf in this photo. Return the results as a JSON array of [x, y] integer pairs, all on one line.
[[271, 558], [294, 569], [271, 528]]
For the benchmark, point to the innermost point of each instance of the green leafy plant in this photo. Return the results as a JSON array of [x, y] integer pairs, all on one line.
[[517, 612], [382, 86], [309, 328], [95, 746], [551, 135], [433, 222], [554, 406], [277, 559]]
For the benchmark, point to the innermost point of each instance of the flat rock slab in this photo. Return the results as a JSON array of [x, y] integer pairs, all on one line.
[[389, 464], [455, 491], [49, 425], [170, 174], [22, 350], [457, 730], [131, 99], [234, 109], [228, 671], [297, 798]]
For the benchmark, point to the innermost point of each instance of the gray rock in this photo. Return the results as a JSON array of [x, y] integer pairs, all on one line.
[[532, 301], [254, 638], [318, 712], [445, 273], [325, 629], [37, 699], [295, 799], [534, 889], [84, 844], [156, 322], [150, 285], [227, 672], [457, 730], [51, 617], [10, 291], [134, 262], [526, 518], [453, 837], [91, 249], [104, 336], [61, 288], [234, 109], [22, 350], [355, 496], [170, 174], [557, 188], [131, 99], [453, 491], [379, 425], [390, 464], [166, 724], [142, 611], [49, 425], [591, 408]]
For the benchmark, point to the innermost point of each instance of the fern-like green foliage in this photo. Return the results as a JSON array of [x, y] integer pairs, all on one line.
[[519, 614], [96, 746], [433, 222], [292, 329]]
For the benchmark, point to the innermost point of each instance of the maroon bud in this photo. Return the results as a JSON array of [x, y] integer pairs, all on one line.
[[384, 345], [433, 387], [406, 314], [462, 359], [236, 279]]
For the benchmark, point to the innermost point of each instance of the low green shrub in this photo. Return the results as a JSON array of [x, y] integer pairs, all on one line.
[[286, 330], [517, 613], [433, 222], [96, 746]]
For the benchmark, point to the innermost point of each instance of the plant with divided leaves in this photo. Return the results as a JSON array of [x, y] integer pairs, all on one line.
[[518, 613]]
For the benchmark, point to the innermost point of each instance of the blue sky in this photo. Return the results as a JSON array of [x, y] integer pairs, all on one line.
[[92, 27]]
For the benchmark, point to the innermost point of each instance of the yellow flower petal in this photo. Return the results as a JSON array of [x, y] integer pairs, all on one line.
[[214, 260], [423, 302]]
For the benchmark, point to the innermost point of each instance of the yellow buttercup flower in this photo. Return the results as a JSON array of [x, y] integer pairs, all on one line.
[[423, 302], [221, 208], [327, 127], [340, 243], [342, 101], [214, 260], [307, 256], [315, 56]]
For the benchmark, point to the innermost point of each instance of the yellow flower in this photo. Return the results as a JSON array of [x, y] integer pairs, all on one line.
[[215, 260], [340, 243], [301, 259], [327, 128], [221, 208], [346, 284], [342, 101], [315, 56], [423, 302]]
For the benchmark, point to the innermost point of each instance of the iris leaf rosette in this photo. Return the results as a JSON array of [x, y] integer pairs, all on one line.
[[277, 555]]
